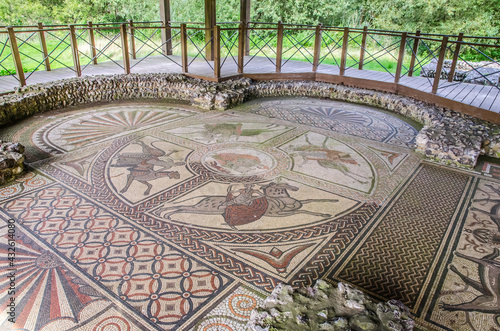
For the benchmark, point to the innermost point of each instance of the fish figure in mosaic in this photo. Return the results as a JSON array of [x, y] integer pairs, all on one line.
[[328, 158], [273, 201], [141, 166]]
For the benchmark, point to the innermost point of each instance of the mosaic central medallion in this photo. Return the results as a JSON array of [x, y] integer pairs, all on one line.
[[239, 162]]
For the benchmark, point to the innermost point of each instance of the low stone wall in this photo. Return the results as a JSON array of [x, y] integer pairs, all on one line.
[[326, 307], [447, 136], [11, 161]]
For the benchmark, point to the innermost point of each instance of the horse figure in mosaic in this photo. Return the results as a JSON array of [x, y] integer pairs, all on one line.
[[141, 166], [274, 196]]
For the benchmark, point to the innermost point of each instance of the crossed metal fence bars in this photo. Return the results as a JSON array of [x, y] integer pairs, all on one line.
[[235, 46]]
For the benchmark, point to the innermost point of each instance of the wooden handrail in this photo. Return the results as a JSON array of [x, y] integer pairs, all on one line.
[[74, 51], [125, 54], [16, 57], [455, 58], [243, 29], [241, 47], [217, 51], [414, 53], [439, 67], [184, 55], [317, 48], [363, 47], [343, 58], [43, 47], [93, 50], [132, 39], [279, 47], [401, 56]]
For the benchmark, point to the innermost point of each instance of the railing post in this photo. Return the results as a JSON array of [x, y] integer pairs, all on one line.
[[74, 50], [93, 51], [125, 54], [16, 56], [43, 46], [402, 48], [317, 47], [241, 48], [279, 47], [439, 67], [363, 47], [132, 39], [247, 39], [455, 57], [217, 51], [414, 53], [343, 58], [184, 50]]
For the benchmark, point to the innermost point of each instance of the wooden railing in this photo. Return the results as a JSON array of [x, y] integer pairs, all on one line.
[[444, 60]]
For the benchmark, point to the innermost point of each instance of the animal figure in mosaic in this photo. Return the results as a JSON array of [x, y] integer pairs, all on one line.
[[242, 163], [273, 196], [488, 267], [223, 132], [328, 158], [141, 166], [489, 285], [484, 235]]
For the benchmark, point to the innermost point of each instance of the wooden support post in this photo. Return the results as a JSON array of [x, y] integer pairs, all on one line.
[[93, 51], [184, 49], [166, 33], [125, 54], [241, 47], [317, 47], [210, 22], [43, 46], [132, 39], [343, 57], [363, 47], [279, 47], [16, 56], [439, 67], [402, 48], [217, 51], [414, 53], [455, 57], [245, 18], [74, 50]]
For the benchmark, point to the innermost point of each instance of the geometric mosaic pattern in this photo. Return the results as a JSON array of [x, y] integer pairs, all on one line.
[[161, 217], [411, 230]]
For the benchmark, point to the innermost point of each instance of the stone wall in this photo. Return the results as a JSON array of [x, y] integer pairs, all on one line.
[[11, 161], [447, 136], [328, 307]]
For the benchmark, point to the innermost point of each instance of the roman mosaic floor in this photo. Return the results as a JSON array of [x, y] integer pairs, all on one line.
[[157, 216]]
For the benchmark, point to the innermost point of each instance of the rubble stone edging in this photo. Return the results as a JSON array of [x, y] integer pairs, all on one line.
[[327, 307], [447, 136], [11, 161]]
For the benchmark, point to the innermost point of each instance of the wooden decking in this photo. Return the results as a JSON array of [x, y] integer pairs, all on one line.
[[476, 100]]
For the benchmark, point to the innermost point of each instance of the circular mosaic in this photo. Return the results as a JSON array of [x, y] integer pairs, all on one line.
[[239, 162]]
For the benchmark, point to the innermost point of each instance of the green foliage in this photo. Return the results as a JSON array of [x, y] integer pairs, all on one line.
[[473, 17]]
